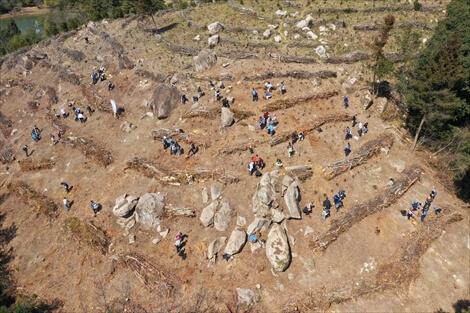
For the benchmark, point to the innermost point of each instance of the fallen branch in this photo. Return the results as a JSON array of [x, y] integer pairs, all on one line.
[[399, 273], [314, 125], [30, 166], [179, 135], [301, 171], [285, 104], [90, 150], [361, 211], [150, 275], [176, 177], [364, 153]]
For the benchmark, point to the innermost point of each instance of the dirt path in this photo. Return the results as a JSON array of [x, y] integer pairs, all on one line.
[[25, 12]]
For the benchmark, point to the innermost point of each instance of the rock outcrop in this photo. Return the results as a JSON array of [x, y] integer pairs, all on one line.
[[265, 196], [277, 248], [207, 214], [149, 209], [292, 198], [223, 216], [236, 242], [204, 60], [214, 28], [165, 99], [125, 205]]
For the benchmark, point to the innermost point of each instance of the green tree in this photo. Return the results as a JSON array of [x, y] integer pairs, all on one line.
[[437, 95], [50, 27], [149, 7], [380, 66]]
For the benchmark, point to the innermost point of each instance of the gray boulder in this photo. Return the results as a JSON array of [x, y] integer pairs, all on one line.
[[366, 99], [292, 198], [149, 209], [236, 242], [127, 127], [321, 51], [277, 248], [226, 118], [165, 99], [207, 214], [265, 196], [223, 216], [214, 28], [246, 298], [259, 224], [347, 89], [25, 61], [213, 40], [217, 188], [215, 246], [267, 33], [204, 60], [124, 205], [286, 182]]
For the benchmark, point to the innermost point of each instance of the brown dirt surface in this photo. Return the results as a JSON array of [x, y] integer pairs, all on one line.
[[59, 256]]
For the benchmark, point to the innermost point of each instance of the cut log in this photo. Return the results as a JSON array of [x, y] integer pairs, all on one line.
[[90, 150], [301, 171], [364, 153], [361, 211]]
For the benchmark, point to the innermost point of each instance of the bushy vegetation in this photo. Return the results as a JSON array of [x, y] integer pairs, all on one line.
[[437, 94], [11, 39], [8, 5]]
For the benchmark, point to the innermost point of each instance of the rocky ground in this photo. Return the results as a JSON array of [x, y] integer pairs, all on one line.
[[367, 257]]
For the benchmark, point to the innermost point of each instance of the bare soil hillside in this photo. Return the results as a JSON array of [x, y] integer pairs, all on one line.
[[367, 257]]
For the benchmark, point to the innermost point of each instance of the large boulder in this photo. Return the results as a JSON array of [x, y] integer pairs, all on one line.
[[366, 99], [149, 209], [125, 205], [226, 118], [165, 99], [236, 242], [215, 246], [25, 61], [265, 196], [214, 28], [277, 248], [292, 198], [246, 298], [207, 214], [223, 216], [259, 224], [204, 60], [217, 188]]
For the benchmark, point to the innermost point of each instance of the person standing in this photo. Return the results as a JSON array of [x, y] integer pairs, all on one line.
[[346, 102], [52, 139], [423, 216], [66, 186], [348, 134], [66, 204], [347, 150], [179, 241], [254, 94], [25, 149], [354, 120], [359, 129]]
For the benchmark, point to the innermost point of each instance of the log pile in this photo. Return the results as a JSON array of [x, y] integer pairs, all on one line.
[[5, 125], [177, 177], [298, 74], [30, 166], [400, 272], [179, 135], [364, 153], [292, 59], [35, 199], [151, 276], [90, 150], [361, 211], [212, 113], [285, 104], [301, 171], [313, 125]]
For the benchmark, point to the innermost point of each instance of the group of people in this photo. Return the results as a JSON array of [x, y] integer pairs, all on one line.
[[254, 166], [96, 207], [266, 121], [338, 202], [415, 205], [176, 149], [269, 87]]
